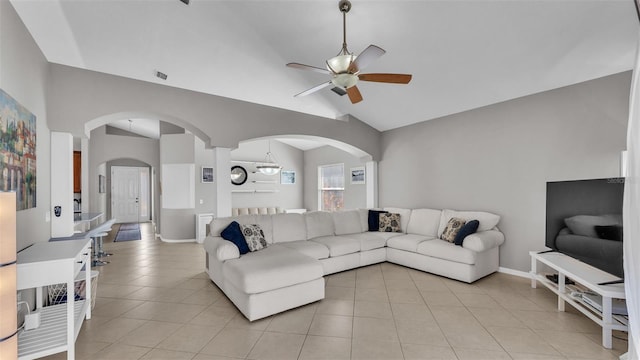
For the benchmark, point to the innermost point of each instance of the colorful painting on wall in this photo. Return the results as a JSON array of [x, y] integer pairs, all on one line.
[[17, 151]]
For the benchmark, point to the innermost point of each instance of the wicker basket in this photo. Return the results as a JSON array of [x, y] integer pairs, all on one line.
[[58, 292]]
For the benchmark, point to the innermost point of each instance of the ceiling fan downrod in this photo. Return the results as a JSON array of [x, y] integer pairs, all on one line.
[[344, 6]]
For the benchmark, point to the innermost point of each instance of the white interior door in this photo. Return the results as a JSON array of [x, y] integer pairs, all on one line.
[[130, 194]]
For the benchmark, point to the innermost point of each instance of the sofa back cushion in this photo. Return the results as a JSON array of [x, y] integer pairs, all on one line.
[[487, 220], [319, 223], [288, 227], [424, 222], [218, 224], [404, 216], [347, 222], [266, 224]]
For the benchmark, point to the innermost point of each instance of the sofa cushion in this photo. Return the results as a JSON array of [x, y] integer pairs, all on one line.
[[309, 248], [373, 219], [407, 242], [266, 224], [467, 229], [272, 268], [233, 233], [319, 223], [347, 222], [451, 230], [339, 245], [254, 237], [369, 240], [389, 222], [364, 219], [424, 222], [405, 214], [218, 224], [447, 251], [487, 220], [288, 227]]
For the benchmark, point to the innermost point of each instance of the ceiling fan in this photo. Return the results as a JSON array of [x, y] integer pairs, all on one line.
[[345, 68]]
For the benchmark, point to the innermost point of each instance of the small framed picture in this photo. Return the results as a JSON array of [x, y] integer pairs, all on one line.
[[207, 174], [357, 175], [287, 177]]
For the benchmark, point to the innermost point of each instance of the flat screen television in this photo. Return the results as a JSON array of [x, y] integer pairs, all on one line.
[[584, 221]]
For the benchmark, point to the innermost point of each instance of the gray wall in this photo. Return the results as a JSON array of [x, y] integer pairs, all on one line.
[[104, 148], [499, 158], [24, 75], [290, 158], [355, 196], [82, 96]]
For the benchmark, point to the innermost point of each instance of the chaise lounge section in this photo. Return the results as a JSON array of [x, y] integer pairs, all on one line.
[[302, 248]]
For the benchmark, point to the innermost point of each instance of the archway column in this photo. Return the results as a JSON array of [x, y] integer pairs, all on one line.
[[222, 181], [371, 171]]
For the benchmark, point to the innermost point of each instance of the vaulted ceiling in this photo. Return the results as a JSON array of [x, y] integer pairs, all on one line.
[[462, 54]]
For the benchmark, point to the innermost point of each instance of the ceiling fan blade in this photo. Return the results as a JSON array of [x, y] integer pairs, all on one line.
[[386, 78], [313, 89], [354, 94], [308, 67], [366, 57]]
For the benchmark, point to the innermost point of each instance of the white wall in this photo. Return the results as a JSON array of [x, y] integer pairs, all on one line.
[[287, 196], [24, 75], [499, 158], [355, 196]]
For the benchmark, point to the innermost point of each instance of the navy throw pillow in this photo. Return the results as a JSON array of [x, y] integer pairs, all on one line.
[[467, 229], [374, 219], [233, 233]]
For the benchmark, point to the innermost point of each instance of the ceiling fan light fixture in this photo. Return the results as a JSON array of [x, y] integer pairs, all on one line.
[[344, 81], [340, 64]]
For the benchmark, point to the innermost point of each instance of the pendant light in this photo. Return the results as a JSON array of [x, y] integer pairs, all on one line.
[[269, 166]]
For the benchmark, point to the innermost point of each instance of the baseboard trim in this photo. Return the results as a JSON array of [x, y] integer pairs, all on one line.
[[514, 272], [175, 240]]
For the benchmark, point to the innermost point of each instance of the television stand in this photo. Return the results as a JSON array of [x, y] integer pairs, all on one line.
[[593, 279]]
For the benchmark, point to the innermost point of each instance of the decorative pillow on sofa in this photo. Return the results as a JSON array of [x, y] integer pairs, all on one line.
[[374, 219], [254, 236], [233, 233], [389, 222], [451, 230], [467, 229]]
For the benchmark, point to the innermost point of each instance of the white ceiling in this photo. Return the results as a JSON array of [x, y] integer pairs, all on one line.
[[462, 54]]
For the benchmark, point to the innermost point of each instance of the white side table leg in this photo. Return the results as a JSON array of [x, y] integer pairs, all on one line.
[[607, 320], [534, 271], [561, 290]]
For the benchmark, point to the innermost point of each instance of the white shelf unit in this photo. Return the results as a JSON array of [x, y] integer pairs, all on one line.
[[50, 263], [588, 277]]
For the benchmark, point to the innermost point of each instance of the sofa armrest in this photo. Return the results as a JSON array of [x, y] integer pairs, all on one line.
[[221, 248], [483, 241]]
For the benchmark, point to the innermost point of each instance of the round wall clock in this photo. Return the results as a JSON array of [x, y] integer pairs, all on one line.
[[238, 175]]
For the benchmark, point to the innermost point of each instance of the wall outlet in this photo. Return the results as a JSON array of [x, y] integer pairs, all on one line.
[[201, 201]]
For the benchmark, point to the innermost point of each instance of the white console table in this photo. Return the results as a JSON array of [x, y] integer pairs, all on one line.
[[49, 263], [587, 276]]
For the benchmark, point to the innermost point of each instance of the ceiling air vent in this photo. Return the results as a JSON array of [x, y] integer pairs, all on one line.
[[161, 75], [186, 2], [338, 90]]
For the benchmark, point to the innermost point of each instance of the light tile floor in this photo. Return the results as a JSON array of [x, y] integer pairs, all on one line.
[[156, 302]]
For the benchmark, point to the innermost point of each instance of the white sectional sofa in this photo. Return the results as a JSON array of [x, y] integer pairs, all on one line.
[[305, 247]]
